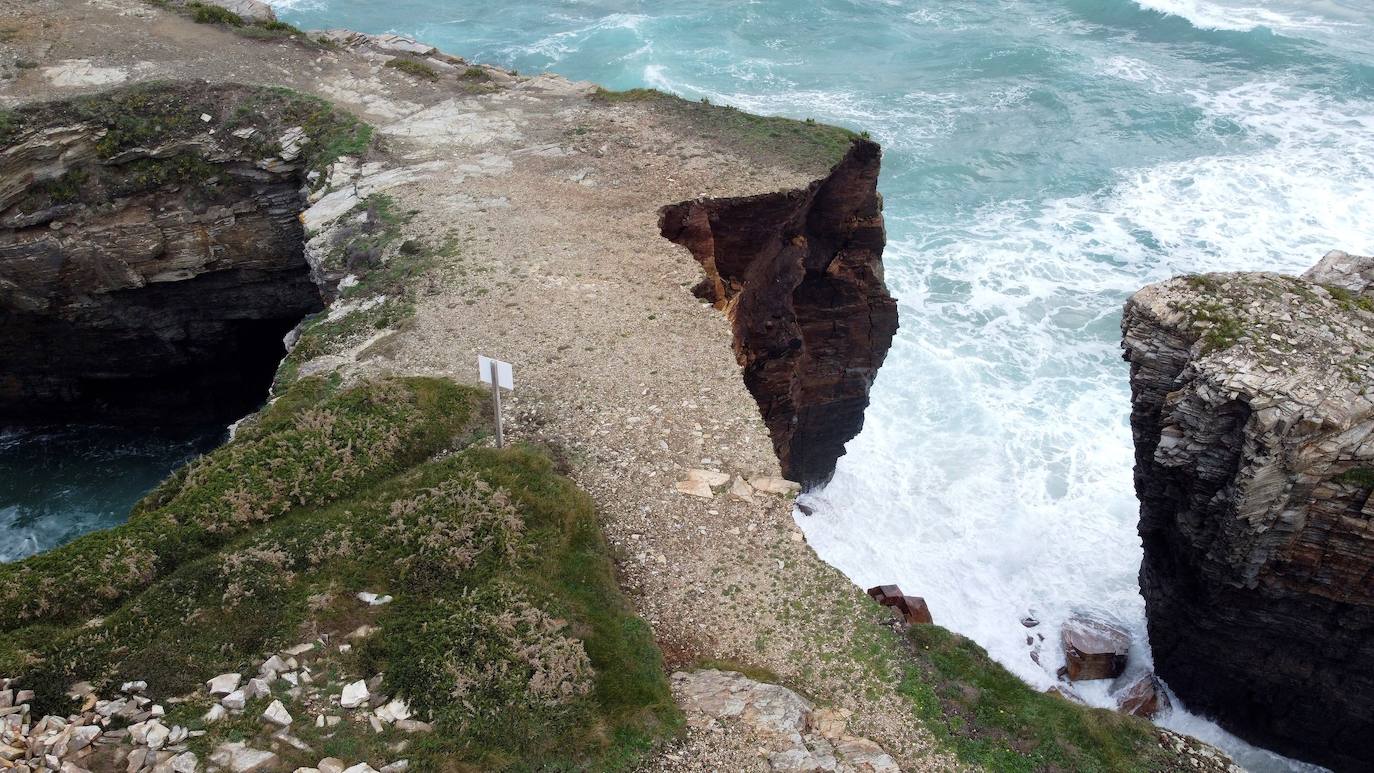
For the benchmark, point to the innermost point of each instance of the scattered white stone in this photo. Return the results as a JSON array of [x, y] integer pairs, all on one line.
[[277, 715], [361, 767], [741, 489], [354, 695], [185, 762], [215, 714], [396, 767], [777, 486], [238, 757], [373, 600], [235, 701], [223, 684], [331, 765], [258, 687], [299, 649], [396, 709], [133, 688], [81, 737], [273, 665], [205, 117]]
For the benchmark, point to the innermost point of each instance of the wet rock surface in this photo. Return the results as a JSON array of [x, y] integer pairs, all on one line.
[[1254, 434], [799, 273], [1093, 649]]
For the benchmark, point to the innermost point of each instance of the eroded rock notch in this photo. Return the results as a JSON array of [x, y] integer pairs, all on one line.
[[800, 275], [1254, 437], [151, 255]]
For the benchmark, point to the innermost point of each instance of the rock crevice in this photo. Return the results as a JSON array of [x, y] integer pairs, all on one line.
[[147, 285], [799, 273], [1254, 435]]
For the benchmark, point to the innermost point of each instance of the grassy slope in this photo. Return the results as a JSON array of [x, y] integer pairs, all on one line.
[[497, 564], [806, 145]]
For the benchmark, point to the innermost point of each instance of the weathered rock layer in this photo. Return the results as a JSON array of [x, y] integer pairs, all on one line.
[[800, 275], [150, 285], [1254, 435]]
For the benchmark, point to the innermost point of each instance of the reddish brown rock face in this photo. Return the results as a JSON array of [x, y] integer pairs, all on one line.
[[799, 273], [1093, 649], [1144, 697]]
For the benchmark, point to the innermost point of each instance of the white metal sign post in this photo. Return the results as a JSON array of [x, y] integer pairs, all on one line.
[[501, 376]]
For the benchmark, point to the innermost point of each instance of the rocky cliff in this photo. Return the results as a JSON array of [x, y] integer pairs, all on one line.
[[1254, 433], [150, 266], [799, 273]]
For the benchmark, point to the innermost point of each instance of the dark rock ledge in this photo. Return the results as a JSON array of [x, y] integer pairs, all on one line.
[[1254, 430], [149, 265]]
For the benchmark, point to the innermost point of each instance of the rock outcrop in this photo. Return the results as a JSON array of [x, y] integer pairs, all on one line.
[[1254, 432], [792, 734], [149, 266], [800, 275]]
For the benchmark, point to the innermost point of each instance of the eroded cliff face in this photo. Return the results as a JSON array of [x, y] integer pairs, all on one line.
[[1254, 434], [800, 275], [149, 268]]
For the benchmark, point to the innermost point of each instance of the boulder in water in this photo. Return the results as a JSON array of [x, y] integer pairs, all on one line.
[[1142, 697], [1093, 648]]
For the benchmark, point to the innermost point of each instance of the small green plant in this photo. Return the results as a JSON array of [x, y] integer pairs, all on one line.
[[1360, 477], [476, 73], [413, 67], [1349, 301], [208, 13], [1221, 328]]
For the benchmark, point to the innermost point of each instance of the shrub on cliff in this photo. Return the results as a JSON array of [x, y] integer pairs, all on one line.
[[508, 631], [308, 449]]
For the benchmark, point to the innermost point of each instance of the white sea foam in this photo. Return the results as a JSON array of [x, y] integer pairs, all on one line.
[[558, 45], [993, 476], [1212, 15]]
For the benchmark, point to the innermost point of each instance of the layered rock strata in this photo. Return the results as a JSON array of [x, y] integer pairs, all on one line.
[[1254, 432], [146, 285], [799, 273]]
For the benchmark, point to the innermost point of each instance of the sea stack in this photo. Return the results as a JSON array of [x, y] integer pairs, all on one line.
[[1253, 419], [800, 275]]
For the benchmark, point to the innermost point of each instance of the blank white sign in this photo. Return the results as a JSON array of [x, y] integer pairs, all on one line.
[[505, 375]]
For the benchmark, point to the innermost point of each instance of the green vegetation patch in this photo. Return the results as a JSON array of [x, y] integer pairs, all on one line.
[[507, 632], [1349, 301], [413, 67], [291, 456], [990, 717], [368, 245], [140, 118], [209, 13], [805, 145], [258, 29], [1361, 477], [11, 122], [149, 115]]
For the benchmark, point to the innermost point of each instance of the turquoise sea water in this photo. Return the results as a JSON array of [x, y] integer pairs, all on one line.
[[1044, 160], [59, 483]]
